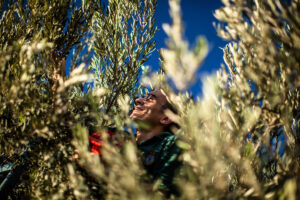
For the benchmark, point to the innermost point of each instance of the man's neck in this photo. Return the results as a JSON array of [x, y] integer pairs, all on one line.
[[143, 135]]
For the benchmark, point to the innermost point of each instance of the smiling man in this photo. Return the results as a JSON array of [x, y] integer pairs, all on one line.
[[155, 140]]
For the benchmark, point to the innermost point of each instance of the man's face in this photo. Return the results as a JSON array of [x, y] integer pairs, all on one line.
[[149, 109]]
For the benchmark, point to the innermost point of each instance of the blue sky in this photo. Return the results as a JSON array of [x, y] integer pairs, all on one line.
[[198, 21]]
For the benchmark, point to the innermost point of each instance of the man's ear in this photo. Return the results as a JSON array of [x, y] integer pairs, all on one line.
[[166, 120]]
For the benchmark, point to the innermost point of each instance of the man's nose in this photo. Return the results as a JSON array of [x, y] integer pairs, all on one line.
[[139, 101]]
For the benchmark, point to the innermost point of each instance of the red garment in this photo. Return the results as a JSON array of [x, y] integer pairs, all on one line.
[[96, 141]]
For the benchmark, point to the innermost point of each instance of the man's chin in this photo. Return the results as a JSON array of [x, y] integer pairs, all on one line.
[[135, 117], [132, 117]]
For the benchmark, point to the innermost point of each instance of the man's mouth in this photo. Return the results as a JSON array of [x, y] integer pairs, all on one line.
[[138, 108]]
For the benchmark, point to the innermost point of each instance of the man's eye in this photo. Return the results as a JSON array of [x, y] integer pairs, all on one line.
[[150, 97], [147, 97]]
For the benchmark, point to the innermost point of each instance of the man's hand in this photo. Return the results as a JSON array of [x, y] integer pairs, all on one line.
[[75, 156]]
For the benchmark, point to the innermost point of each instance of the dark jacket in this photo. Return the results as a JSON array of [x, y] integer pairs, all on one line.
[[160, 158]]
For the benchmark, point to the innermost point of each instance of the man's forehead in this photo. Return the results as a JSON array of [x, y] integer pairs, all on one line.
[[159, 95]]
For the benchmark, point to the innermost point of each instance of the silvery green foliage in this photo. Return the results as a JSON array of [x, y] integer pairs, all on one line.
[[257, 96], [122, 42], [123, 34], [179, 62], [36, 104], [261, 88]]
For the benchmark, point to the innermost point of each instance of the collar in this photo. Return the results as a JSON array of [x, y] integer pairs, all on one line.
[[155, 138]]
